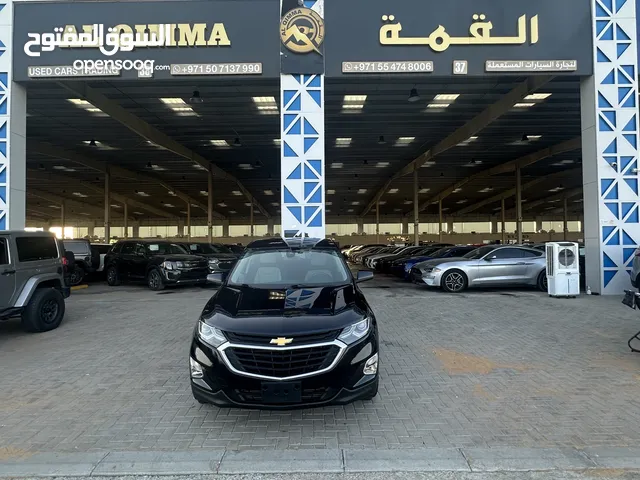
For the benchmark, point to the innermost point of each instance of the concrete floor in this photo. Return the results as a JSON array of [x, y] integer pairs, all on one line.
[[485, 369]]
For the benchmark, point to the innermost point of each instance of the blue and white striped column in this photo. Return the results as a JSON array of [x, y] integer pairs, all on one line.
[[302, 151], [610, 148], [13, 132]]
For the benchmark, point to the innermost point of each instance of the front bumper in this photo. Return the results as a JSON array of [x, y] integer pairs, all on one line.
[[425, 278], [185, 277], [344, 383]]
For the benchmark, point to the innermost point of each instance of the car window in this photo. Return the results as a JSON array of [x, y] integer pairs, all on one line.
[[531, 253], [284, 268], [162, 248], [506, 253], [76, 247], [128, 248], [4, 252], [479, 252], [31, 249], [117, 248]]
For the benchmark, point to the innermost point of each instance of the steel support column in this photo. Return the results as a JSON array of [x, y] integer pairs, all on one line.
[[63, 219], [210, 208], [188, 221], [378, 222], [503, 223], [519, 205], [251, 218], [440, 220], [126, 220], [107, 206], [565, 219], [416, 211]]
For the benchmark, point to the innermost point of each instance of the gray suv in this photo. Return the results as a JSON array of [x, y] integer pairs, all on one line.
[[32, 279]]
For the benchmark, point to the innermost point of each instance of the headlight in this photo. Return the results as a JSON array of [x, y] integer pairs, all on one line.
[[214, 261], [179, 265], [355, 332], [211, 335], [436, 270], [167, 265]]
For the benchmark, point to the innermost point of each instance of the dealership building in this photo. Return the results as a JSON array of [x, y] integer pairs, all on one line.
[[223, 119]]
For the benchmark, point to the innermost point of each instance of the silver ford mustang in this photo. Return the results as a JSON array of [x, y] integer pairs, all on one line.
[[490, 266]]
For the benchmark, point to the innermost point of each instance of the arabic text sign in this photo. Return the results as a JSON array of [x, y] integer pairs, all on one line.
[[387, 67], [531, 66], [471, 30], [216, 69]]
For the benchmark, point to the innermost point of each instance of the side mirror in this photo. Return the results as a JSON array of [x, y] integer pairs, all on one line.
[[215, 278], [488, 259], [364, 276]]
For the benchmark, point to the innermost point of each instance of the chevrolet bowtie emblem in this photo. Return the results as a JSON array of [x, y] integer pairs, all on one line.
[[281, 341]]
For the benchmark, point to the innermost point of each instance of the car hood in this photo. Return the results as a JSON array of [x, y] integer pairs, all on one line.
[[221, 256], [261, 311], [178, 257]]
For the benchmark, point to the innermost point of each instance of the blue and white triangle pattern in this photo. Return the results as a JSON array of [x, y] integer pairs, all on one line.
[[302, 155], [616, 77]]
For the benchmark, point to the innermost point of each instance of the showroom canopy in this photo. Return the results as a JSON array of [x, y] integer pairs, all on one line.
[[361, 37]]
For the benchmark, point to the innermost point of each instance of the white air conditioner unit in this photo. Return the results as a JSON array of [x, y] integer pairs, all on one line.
[[563, 269]]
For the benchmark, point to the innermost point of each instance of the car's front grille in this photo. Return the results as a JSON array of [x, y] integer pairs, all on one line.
[[282, 363], [265, 340], [308, 395], [226, 265]]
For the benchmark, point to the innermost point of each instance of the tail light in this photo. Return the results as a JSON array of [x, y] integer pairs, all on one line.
[[65, 262]]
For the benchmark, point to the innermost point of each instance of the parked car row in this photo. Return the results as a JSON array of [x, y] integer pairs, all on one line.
[[455, 268], [160, 263]]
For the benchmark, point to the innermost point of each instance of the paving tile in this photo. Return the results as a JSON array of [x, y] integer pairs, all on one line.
[[288, 461], [49, 464], [414, 460], [525, 459], [615, 457], [159, 463]]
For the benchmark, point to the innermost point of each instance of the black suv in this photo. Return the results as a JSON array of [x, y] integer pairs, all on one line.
[[159, 263], [220, 258], [289, 326]]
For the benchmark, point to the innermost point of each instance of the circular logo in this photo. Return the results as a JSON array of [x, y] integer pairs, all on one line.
[[302, 30]]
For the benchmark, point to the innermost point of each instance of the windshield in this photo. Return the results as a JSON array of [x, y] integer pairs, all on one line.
[[441, 252], [162, 248], [286, 268], [207, 248], [479, 252]]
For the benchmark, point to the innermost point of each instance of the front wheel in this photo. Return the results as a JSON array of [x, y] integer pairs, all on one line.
[[543, 284], [113, 278], [454, 281], [154, 281], [44, 311]]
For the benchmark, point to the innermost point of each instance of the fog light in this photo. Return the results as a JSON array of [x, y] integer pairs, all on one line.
[[371, 367], [196, 369]]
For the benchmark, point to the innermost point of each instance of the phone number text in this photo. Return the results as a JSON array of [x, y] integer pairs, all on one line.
[[387, 67], [216, 69]]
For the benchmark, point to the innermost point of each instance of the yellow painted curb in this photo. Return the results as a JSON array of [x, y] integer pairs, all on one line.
[[79, 287]]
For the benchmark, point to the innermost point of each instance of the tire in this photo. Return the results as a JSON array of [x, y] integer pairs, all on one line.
[[542, 281], [113, 278], [44, 311], [77, 275], [373, 393], [454, 281], [154, 280]]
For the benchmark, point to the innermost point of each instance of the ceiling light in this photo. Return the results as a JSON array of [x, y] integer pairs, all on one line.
[[89, 107], [404, 141], [196, 98], [247, 204], [382, 164], [532, 138], [187, 113], [355, 98], [219, 143], [78, 101], [428, 164], [92, 143], [473, 163], [445, 209], [275, 204], [446, 96], [142, 194], [537, 96], [173, 194], [204, 193], [460, 202], [557, 189], [237, 143], [138, 213], [84, 213], [78, 194], [523, 105], [245, 166], [408, 202], [277, 141], [343, 142], [232, 211], [173, 101], [393, 190], [268, 192], [437, 105], [337, 165], [59, 167], [237, 193], [485, 190], [157, 168], [353, 103], [222, 204], [362, 190], [467, 141], [355, 203], [413, 95], [382, 202], [331, 192], [266, 105], [169, 205], [350, 210], [456, 190], [381, 140], [197, 166], [424, 190], [578, 201]]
